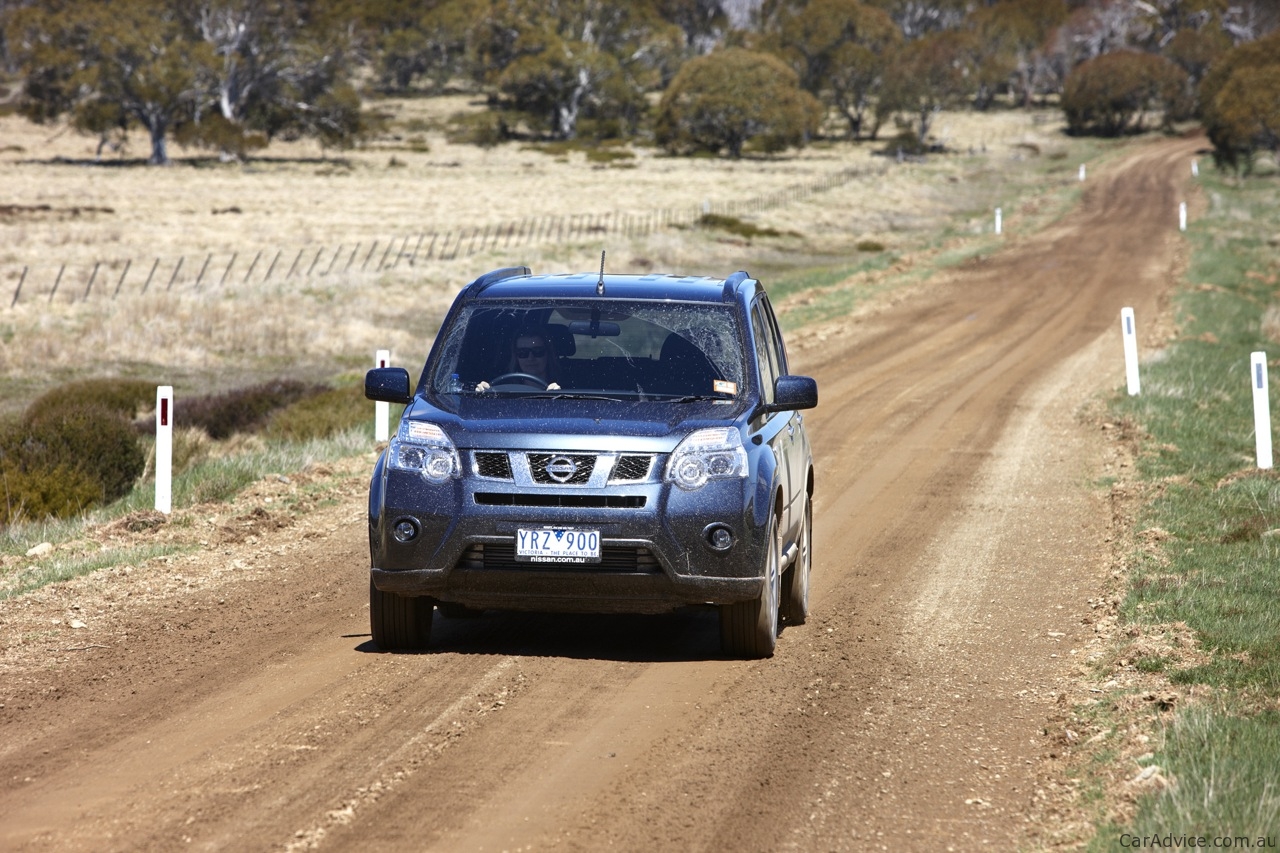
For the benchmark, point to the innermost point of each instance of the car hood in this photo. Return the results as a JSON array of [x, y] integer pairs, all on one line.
[[572, 424]]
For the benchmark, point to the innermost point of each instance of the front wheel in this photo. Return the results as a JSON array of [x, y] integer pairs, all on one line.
[[399, 622], [749, 629]]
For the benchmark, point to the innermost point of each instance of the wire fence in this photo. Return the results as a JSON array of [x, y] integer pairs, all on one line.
[[81, 282]]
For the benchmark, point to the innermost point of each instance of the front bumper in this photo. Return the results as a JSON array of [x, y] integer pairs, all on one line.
[[655, 537]]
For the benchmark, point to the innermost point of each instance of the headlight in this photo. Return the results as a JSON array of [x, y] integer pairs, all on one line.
[[708, 454], [425, 448]]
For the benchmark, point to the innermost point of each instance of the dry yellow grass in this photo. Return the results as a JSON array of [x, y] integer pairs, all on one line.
[[57, 209]]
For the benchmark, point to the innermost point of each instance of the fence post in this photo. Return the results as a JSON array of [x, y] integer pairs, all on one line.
[[92, 276], [383, 262], [272, 266], [128, 263], [174, 277], [227, 271], [200, 277], [315, 261], [253, 264], [293, 266], [1261, 408], [164, 448], [150, 275], [381, 410], [18, 291], [1129, 335], [334, 259], [367, 257], [351, 260], [56, 282]]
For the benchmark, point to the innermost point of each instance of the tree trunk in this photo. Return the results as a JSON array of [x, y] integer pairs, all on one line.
[[159, 147]]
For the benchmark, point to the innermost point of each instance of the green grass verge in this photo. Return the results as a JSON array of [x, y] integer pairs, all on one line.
[[1218, 565], [210, 480], [65, 567]]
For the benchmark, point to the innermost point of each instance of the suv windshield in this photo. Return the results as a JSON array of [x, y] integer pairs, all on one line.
[[608, 348]]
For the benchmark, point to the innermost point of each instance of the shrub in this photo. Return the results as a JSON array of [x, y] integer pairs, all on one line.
[[124, 396], [734, 225], [241, 410], [1110, 94], [1240, 102], [485, 129], [870, 246], [62, 461], [96, 441], [720, 101], [321, 415], [59, 491]]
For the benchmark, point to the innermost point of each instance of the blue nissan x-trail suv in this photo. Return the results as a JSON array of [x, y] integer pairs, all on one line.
[[596, 443]]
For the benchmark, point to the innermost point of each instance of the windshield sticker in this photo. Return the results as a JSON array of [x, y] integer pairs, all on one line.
[[723, 386]]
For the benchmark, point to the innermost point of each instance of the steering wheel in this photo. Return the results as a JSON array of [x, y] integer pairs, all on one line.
[[524, 378]]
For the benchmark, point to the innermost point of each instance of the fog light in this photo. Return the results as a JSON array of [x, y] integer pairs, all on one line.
[[405, 530], [719, 537]]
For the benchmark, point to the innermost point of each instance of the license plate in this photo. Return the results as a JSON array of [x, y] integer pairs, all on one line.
[[557, 545]]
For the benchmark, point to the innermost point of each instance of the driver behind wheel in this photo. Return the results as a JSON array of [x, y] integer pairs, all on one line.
[[530, 353]]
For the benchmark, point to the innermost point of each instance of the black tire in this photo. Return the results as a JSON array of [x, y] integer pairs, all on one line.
[[795, 583], [399, 622], [749, 629]]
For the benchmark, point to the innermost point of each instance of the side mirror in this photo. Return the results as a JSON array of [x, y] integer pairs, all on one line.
[[388, 385], [791, 393]]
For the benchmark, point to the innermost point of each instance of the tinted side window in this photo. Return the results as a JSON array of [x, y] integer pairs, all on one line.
[[766, 357], [775, 337]]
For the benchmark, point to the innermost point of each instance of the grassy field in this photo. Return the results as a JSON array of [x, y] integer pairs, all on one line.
[[62, 208], [1198, 664]]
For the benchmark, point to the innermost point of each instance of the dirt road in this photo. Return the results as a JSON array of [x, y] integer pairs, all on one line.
[[230, 700]]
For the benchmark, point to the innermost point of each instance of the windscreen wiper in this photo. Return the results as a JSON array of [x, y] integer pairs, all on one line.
[[697, 398], [564, 395]]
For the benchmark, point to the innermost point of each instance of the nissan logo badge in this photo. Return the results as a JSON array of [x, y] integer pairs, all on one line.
[[561, 469]]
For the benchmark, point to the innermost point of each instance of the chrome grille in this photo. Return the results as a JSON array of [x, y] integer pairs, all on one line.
[[581, 464], [632, 468], [493, 464]]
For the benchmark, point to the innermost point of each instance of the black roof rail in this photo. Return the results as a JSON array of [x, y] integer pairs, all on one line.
[[495, 276], [731, 284]]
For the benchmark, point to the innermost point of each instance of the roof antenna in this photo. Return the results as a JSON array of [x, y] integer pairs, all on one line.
[[600, 283]]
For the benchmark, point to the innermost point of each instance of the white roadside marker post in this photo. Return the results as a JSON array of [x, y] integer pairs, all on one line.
[[1129, 333], [164, 448], [1082, 171], [1195, 168], [1182, 216], [381, 411], [999, 222], [1261, 407]]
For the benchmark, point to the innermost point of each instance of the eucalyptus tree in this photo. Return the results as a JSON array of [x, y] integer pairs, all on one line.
[[728, 98], [930, 74], [214, 73], [561, 60], [839, 48], [111, 64]]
